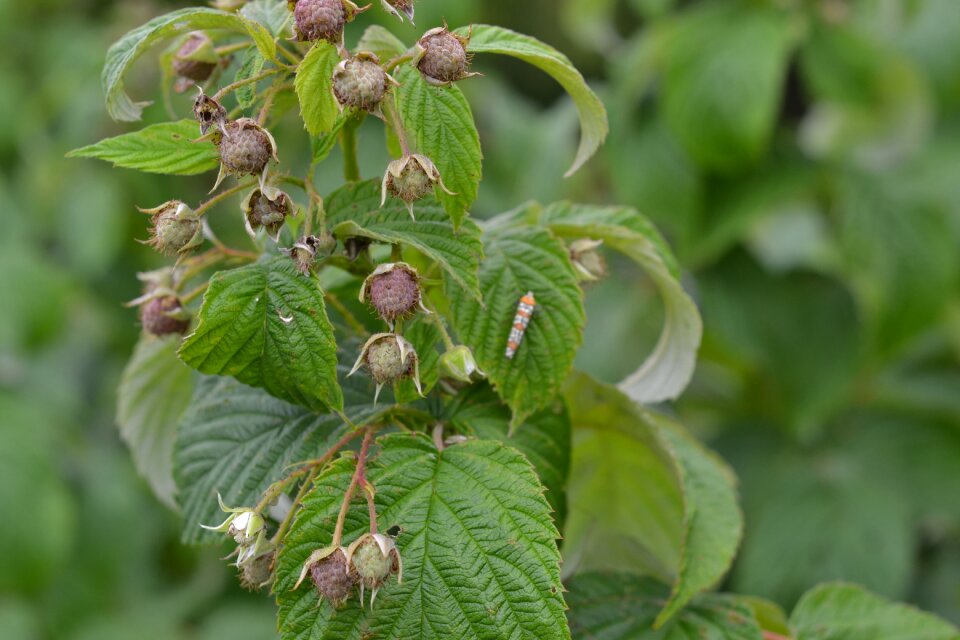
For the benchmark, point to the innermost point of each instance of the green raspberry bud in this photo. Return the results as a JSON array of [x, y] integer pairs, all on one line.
[[176, 229], [458, 363], [373, 558], [388, 357]]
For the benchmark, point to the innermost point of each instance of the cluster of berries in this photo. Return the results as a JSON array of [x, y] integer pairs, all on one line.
[[368, 563]]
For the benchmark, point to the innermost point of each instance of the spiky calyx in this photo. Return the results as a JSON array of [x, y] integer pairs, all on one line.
[[328, 570], [257, 572], [266, 208], [246, 147], [411, 178], [164, 316], [209, 113], [195, 60], [360, 82], [388, 358], [176, 229], [304, 251], [322, 19], [398, 7], [373, 558], [393, 290], [441, 56], [587, 260]]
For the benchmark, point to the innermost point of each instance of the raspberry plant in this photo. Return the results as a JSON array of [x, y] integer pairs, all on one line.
[[391, 470]]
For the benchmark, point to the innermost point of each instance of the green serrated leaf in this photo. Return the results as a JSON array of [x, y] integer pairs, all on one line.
[[322, 145], [126, 50], [354, 210], [424, 336], [318, 106], [667, 371], [839, 611], [273, 14], [166, 148], [381, 42], [623, 607], [478, 548], [517, 261], [440, 123], [154, 392], [251, 66], [593, 117], [237, 440], [266, 325], [544, 438], [714, 56], [681, 522]]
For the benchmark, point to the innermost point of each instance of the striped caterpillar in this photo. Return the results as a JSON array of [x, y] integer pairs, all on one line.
[[520, 323]]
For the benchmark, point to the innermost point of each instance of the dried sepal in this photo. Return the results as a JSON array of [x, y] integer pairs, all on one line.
[[243, 524], [411, 178], [175, 229], [267, 208], [393, 290], [398, 7], [210, 114], [587, 260], [389, 357]]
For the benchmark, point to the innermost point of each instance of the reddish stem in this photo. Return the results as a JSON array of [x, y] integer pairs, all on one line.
[[770, 635], [359, 475]]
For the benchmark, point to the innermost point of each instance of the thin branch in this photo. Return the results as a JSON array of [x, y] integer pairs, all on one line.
[[358, 473], [239, 83], [227, 49], [392, 114], [193, 295], [222, 195], [342, 309]]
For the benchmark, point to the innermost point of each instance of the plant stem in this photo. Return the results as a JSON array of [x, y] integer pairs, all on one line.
[[348, 144], [304, 487], [223, 194], [770, 635], [239, 83], [358, 474], [278, 487], [396, 62], [438, 322], [189, 297], [230, 48], [392, 114]]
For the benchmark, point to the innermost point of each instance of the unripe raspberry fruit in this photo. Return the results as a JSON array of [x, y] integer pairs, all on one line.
[[245, 147], [319, 20], [267, 208], [393, 290], [442, 56], [332, 579], [193, 59], [360, 82], [411, 178], [176, 229], [163, 316], [373, 558], [389, 357], [257, 572]]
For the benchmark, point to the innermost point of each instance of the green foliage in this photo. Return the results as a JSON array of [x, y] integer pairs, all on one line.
[[518, 261], [126, 50], [354, 210], [479, 550], [251, 67], [267, 326], [593, 117], [318, 107], [848, 612], [623, 607], [154, 392], [440, 123], [167, 148]]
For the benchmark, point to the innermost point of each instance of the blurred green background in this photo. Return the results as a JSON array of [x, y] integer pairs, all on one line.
[[802, 156]]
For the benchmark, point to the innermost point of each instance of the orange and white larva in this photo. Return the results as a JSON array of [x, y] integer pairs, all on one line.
[[520, 323]]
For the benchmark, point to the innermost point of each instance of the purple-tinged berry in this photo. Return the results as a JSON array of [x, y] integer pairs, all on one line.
[[163, 316], [411, 178], [441, 56], [196, 59], [360, 82], [393, 290], [266, 208], [328, 570]]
